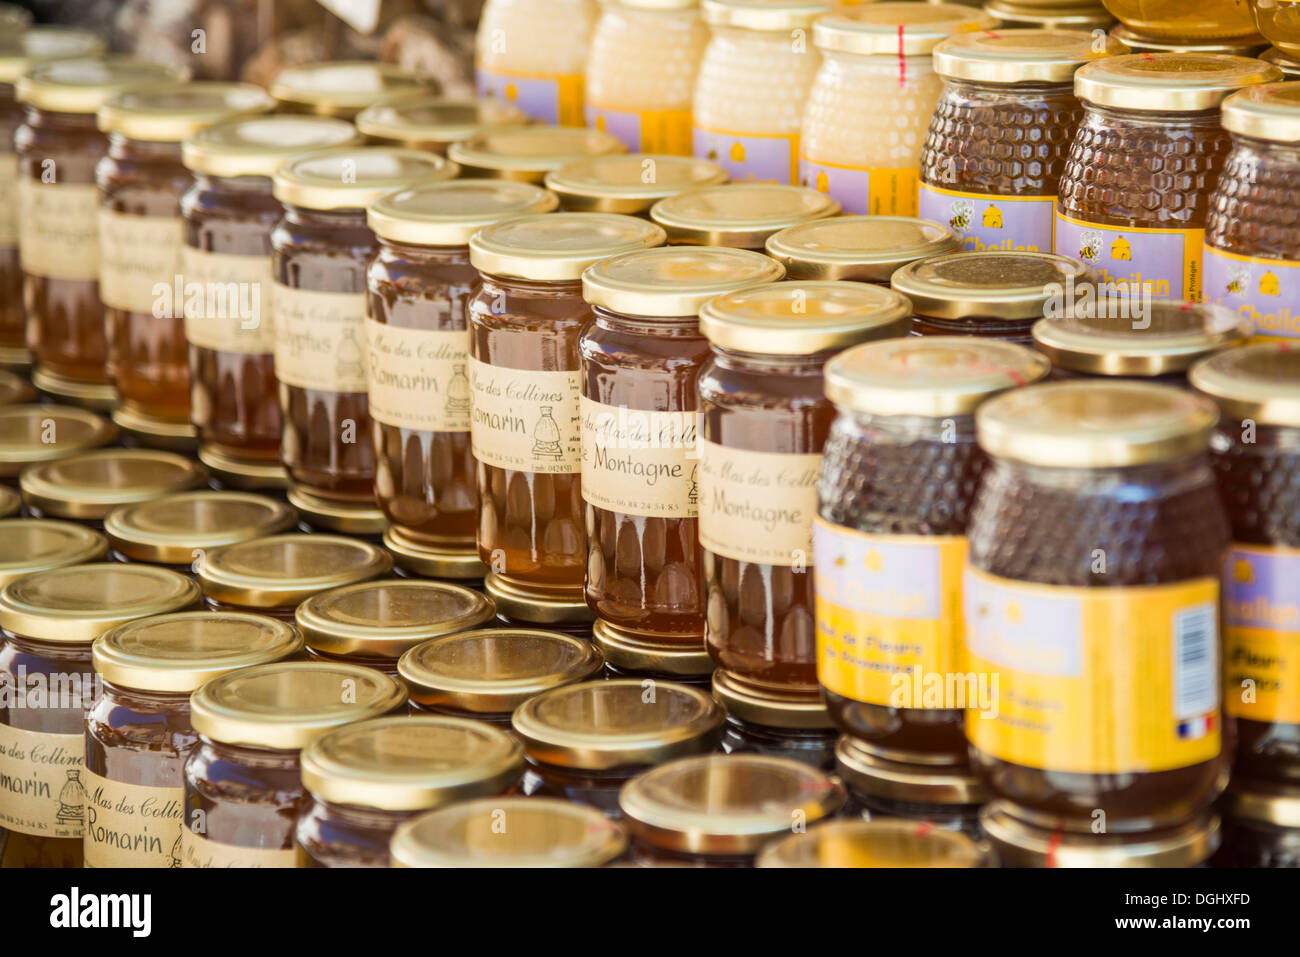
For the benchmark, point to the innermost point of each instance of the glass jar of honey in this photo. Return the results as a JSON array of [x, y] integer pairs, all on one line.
[[851, 843], [138, 732], [366, 779], [31, 434], [1207, 19], [48, 621], [1096, 543], [629, 182], [1015, 843], [243, 780], [861, 248], [10, 501], [1148, 154], [15, 389], [871, 102], [320, 251], [1087, 15], [525, 383], [342, 88], [1134, 42], [417, 335], [229, 214], [29, 545], [740, 215], [1260, 829], [1279, 22], [1290, 66], [88, 486], [528, 153], [433, 123]]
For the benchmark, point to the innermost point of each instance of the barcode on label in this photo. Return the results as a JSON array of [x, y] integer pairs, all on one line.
[[1196, 660]]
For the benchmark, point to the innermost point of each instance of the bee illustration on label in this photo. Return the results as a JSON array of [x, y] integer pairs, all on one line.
[[823, 182], [1090, 246], [1238, 280], [963, 214], [738, 152]]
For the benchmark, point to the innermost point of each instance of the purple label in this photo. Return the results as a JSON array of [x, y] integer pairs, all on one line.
[[992, 223], [874, 575], [1034, 631], [851, 188], [1261, 588], [1165, 263], [749, 159], [555, 99], [624, 125], [1265, 291]]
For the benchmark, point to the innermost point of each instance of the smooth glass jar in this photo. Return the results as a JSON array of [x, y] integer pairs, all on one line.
[[29, 545], [528, 153], [1015, 843], [417, 335], [88, 486], [629, 182], [1207, 19], [1260, 829], [525, 384], [48, 621], [861, 248], [138, 732], [1148, 154], [319, 254], [366, 779], [433, 123], [31, 434], [740, 215], [873, 844], [243, 780], [871, 102], [1097, 535], [1086, 15], [342, 88]]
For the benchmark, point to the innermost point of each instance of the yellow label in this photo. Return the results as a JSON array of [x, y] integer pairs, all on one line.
[[548, 97], [228, 302], [198, 851], [129, 825], [8, 199], [639, 463], [41, 786], [878, 191], [644, 131], [525, 420], [136, 254], [320, 339], [58, 229], [1261, 638], [418, 378], [1095, 680]]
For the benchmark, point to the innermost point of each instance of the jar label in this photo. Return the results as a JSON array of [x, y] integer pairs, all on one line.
[[198, 851], [758, 506], [525, 420], [418, 377], [639, 463], [41, 788], [320, 339], [888, 607], [1095, 680], [58, 230], [8, 199], [129, 825], [1265, 291], [645, 131], [992, 223], [750, 157], [876, 192], [549, 98], [1261, 640], [1166, 263], [228, 302], [137, 253]]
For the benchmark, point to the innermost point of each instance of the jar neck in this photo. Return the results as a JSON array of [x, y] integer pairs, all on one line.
[[49, 119], [271, 758], [138, 699], [369, 818], [427, 255], [530, 288], [326, 218], [890, 429], [41, 684], [1017, 91], [259, 186], [1110, 481], [143, 151], [1207, 120], [1288, 153], [809, 365], [664, 327]]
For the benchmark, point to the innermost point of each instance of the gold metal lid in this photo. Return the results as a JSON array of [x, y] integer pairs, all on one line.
[[932, 376], [175, 529], [282, 570], [629, 182], [78, 603], [659, 4], [1019, 56], [44, 433], [769, 707], [1075, 16], [1169, 82], [30, 545], [92, 484], [1254, 801], [422, 121], [21, 51], [457, 562], [726, 804], [803, 318], [742, 215], [83, 85], [1168, 339], [153, 432], [287, 704], [385, 618], [896, 29], [674, 281], [355, 178], [1289, 66], [528, 153], [1237, 46], [10, 501], [1260, 382], [633, 653], [763, 14], [237, 473], [1018, 844], [448, 214], [863, 248], [176, 653], [495, 670], [1270, 111], [173, 112], [260, 145], [871, 774], [557, 247], [986, 285], [14, 389], [335, 515], [618, 723], [342, 87], [537, 604], [509, 832], [885, 843], [1095, 424]]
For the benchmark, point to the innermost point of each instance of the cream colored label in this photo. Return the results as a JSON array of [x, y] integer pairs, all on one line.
[[138, 253], [41, 786], [320, 339], [228, 302], [525, 420], [639, 463], [129, 825], [8, 199], [198, 851], [418, 378], [758, 506], [58, 229]]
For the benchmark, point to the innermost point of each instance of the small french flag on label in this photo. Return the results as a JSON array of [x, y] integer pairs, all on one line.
[[1196, 728]]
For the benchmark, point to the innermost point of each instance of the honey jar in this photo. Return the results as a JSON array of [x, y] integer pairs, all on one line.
[[433, 123], [1088, 15], [873, 844], [1018, 844], [88, 486], [861, 248], [342, 88], [629, 182], [1260, 829], [29, 545], [528, 153], [1134, 42], [14, 389], [1289, 66], [31, 434], [1208, 19], [11, 502], [741, 215]]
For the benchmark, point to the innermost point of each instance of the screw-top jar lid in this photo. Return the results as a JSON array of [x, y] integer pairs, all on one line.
[[286, 705], [1260, 382], [14, 389], [896, 29], [355, 178], [281, 570], [83, 85], [44, 433], [1289, 66], [493, 671], [630, 182], [173, 529], [22, 50], [10, 501], [410, 763], [803, 318], [342, 87], [884, 843], [1169, 82], [1053, 16], [674, 281], [30, 545], [1018, 844], [435, 121], [1095, 424], [742, 215], [92, 484], [528, 153], [867, 773], [78, 603], [864, 248], [173, 112], [260, 145], [986, 285], [659, 4], [557, 247], [176, 653], [1262, 803], [1018, 56], [448, 214], [1167, 339], [1236, 46], [1270, 111], [763, 14], [726, 804], [508, 832]]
